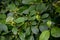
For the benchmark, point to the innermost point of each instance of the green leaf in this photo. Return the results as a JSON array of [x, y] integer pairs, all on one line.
[[33, 12], [32, 18], [2, 38], [2, 21], [28, 1], [28, 31], [10, 14], [49, 23], [21, 35], [20, 19], [9, 19], [39, 1], [32, 8], [58, 9], [43, 28], [33, 23], [34, 30], [12, 7], [45, 15], [2, 16], [14, 30], [44, 35], [25, 11], [55, 32], [41, 7], [3, 27], [22, 9], [31, 37]]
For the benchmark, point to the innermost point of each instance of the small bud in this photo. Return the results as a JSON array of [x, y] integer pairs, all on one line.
[[49, 23]]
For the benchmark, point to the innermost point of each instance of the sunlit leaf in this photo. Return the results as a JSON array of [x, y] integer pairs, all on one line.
[[28, 1], [44, 35], [20, 19], [14, 30]]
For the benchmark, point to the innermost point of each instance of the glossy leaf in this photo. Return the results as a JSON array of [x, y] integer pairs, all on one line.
[[9, 19], [43, 28], [49, 23], [45, 15], [3, 27], [34, 30], [20, 19], [28, 1], [21, 35], [41, 7], [44, 35], [14, 30], [55, 32]]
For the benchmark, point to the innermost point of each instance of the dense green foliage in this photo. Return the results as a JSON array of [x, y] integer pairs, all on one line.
[[29, 19]]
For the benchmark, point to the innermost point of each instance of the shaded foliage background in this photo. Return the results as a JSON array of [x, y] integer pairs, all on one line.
[[29, 19]]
